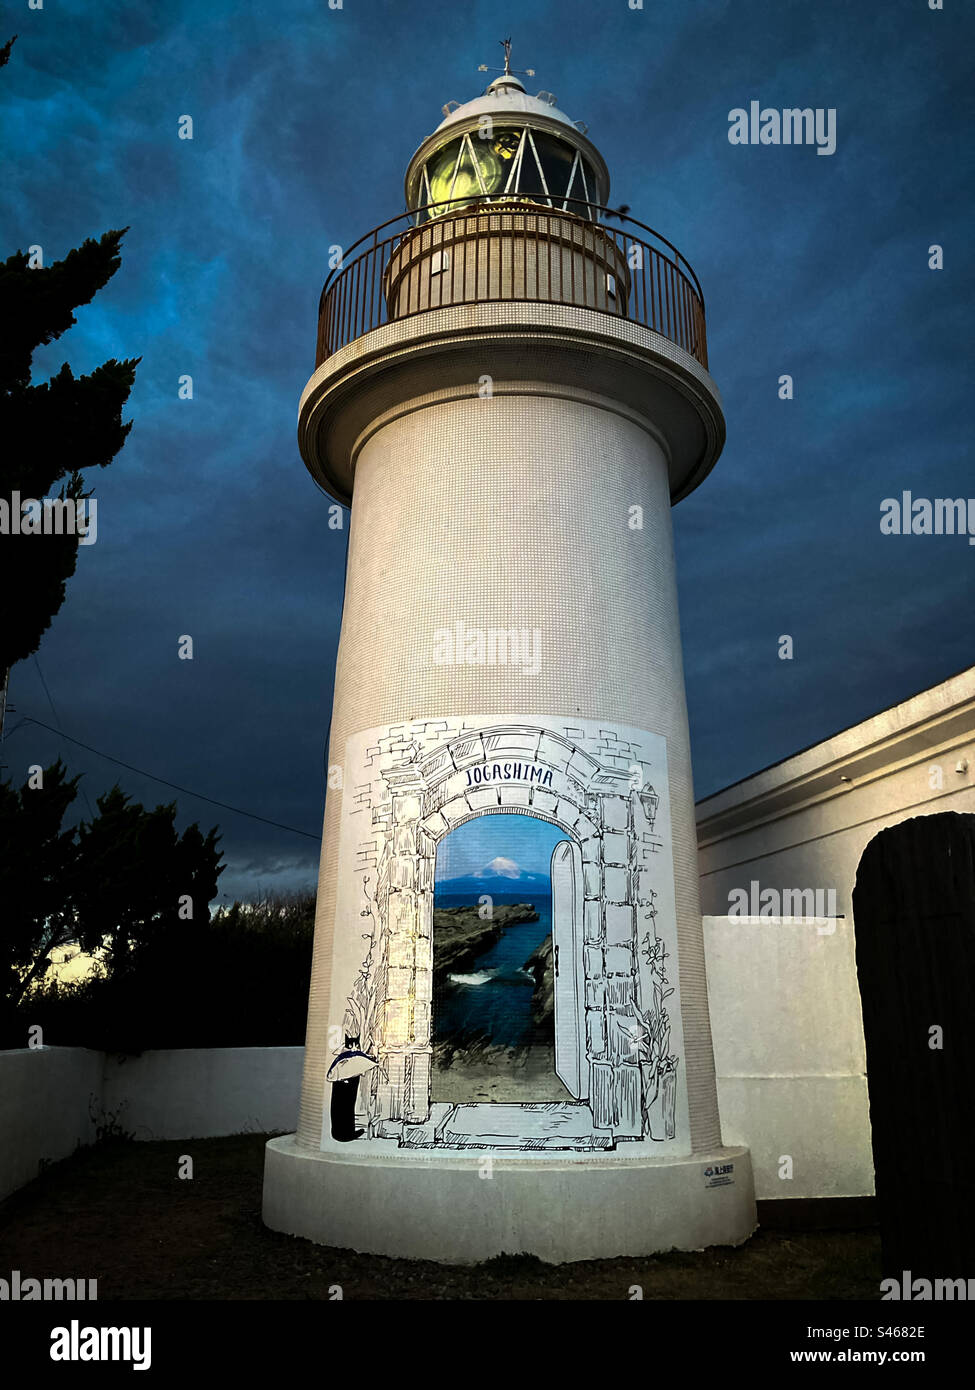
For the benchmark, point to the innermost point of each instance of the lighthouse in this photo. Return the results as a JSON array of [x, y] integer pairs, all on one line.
[[511, 391]]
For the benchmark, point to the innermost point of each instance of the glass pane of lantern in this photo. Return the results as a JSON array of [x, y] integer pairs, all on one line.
[[584, 186], [556, 159], [440, 170], [530, 179], [466, 184], [504, 148], [492, 167], [592, 187]]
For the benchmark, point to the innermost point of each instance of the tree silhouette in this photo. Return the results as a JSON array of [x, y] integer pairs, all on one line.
[[36, 862], [52, 430], [125, 884]]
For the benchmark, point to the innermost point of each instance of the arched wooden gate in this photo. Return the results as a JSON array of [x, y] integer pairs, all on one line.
[[914, 915]]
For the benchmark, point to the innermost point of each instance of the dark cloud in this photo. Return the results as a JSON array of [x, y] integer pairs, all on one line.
[[304, 120]]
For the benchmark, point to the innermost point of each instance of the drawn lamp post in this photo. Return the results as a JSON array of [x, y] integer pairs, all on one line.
[[511, 390]]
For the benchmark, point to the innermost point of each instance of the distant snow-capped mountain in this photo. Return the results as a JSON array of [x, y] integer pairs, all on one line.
[[499, 876], [499, 868]]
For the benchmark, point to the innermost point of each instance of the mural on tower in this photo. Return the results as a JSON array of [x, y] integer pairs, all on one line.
[[505, 970]]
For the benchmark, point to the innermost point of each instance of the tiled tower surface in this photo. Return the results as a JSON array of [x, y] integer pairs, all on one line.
[[512, 511]]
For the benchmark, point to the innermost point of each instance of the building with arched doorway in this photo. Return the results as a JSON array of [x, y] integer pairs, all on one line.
[[779, 853]]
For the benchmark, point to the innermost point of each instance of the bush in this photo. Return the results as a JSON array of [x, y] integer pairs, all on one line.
[[242, 982]]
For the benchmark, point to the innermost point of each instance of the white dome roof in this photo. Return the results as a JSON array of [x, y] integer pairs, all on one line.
[[505, 97]]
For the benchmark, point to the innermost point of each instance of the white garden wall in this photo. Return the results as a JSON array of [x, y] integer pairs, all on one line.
[[789, 1053], [49, 1097], [53, 1098], [201, 1093]]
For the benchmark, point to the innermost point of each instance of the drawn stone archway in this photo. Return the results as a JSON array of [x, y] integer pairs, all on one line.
[[522, 769]]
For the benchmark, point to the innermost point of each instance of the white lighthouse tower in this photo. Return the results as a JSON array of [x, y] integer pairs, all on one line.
[[511, 391]]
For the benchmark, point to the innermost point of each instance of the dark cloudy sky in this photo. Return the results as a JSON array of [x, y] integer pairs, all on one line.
[[304, 120]]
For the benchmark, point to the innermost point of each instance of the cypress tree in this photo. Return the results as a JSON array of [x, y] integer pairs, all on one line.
[[51, 431]]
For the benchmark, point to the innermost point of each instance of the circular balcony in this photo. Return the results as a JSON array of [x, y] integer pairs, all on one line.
[[512, 251]]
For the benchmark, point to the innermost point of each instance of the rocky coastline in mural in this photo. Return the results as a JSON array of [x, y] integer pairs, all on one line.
[[461, 934], [528, 1003], [489, 1042], [541, 966]]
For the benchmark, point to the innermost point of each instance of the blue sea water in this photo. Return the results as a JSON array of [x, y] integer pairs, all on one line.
[[492, 998]]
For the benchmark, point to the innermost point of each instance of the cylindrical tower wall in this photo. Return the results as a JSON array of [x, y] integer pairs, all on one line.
[[489, 253], [516, 510]]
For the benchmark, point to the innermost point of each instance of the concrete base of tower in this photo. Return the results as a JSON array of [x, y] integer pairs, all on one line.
[[450, 1210]]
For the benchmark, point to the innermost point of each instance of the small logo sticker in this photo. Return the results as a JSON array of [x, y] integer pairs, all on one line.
[[719, 1175]]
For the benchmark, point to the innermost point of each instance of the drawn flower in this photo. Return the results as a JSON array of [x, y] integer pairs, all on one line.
[[641, 1034]]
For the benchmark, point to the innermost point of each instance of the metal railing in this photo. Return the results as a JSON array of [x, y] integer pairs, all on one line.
[[513, 249]]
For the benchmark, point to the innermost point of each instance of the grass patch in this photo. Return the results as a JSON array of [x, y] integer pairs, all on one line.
[[118, 1213]]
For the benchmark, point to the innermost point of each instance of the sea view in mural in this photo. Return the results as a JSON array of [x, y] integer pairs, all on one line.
[[493, 994], [492, 998]]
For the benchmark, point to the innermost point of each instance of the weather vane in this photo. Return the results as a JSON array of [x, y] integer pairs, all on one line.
[[507, 70]]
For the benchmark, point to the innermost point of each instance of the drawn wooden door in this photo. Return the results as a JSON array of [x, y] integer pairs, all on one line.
[[571, 1064], [914, 919]]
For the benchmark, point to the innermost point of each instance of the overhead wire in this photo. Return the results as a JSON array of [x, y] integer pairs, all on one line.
[[186, 791]]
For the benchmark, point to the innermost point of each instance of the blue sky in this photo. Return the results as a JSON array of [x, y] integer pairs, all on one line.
[[304, 120], [524, 840]]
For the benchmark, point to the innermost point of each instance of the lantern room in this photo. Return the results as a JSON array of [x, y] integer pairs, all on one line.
[[506, 145]]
